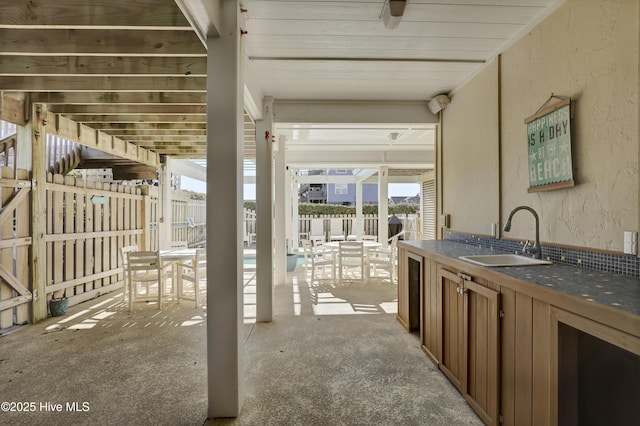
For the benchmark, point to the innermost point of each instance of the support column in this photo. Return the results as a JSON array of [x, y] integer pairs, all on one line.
[[358, 226], [264, 213], [24, 159], [225, 97], [288, 218], [281, 181], [39, 212], [383, 204], [165, 233], [295, 219]]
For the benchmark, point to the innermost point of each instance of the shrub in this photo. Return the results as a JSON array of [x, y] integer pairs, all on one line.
[[314, 209]]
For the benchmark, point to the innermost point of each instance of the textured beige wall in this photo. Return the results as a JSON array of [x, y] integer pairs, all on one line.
[[586, 49], [470, 154]]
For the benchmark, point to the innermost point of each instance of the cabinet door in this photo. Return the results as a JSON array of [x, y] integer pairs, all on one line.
[[480, 353], [410, 277], [403, 289], [451, 314], [429, 326]]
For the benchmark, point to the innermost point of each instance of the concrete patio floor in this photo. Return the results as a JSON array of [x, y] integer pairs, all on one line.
[[333, 355]]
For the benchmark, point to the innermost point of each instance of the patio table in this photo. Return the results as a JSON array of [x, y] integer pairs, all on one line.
[[177, 256], [367, 245]]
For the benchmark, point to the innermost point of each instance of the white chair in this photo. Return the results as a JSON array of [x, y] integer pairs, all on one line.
[[249, 238], [397, 236], [317, 230], [317, 258], [194, 273], [316, 241], [364, 238], [125, 267], [145, 270], [385, 258], [336, 232], [178, 244], [351, 255]]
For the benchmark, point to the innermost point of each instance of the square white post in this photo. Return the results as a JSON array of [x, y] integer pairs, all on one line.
[[225, 140], [358, 226], [383, 204], [264, 213]]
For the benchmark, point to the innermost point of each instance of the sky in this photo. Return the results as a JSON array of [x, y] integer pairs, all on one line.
[[395, 189]]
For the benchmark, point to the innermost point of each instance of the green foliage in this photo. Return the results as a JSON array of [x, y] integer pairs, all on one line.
[[312, 209], [195, 195], [404, 208]]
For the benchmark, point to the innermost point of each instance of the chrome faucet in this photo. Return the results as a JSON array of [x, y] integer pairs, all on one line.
[[536, 249]]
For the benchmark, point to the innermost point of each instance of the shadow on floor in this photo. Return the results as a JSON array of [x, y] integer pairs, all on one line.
[[334, 354]]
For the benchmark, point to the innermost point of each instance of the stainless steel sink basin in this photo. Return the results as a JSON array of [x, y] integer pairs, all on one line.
[[504, 260]]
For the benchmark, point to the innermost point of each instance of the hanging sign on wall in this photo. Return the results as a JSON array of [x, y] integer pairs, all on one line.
[[549, 147]]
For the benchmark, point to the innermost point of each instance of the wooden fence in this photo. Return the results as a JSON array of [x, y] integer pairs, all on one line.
[[86, 225], [409, 222], [15, 241], [189, 219]]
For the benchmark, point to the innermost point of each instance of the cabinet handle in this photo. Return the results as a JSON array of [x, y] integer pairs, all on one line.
[[464, 277]]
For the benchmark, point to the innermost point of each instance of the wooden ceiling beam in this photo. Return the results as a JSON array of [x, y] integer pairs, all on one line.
[[89, 13], [13, 108], [176, 150], [155, 139], [155, 133], [150, 126], [109, 84], [99, 42], [101, 141], [139, 118], [152, 66], [127, 109], [171, 143], [123, 98]]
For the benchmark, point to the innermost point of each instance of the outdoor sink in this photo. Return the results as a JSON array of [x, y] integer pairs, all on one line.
[[504, 260]]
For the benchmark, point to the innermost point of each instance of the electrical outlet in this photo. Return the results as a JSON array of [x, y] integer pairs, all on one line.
[[494, 230], [445, 221], [630, 242]]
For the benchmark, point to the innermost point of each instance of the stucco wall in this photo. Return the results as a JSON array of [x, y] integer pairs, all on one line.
[[470, 154], [588, 50]]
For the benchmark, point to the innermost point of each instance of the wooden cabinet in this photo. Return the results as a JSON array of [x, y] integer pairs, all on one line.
[[520, 353], [403, 289], [525, 359], [481, 350], [410, 278], [452, 332], [429, 313], [470, 341]]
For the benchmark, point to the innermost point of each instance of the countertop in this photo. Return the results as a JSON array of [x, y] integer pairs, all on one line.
[[616, 291]]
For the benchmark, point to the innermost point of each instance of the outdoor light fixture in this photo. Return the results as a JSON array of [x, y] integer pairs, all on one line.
[[392, 11], [438, 103]]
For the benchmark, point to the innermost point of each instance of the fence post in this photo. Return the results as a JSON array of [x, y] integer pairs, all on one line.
[[145, 218], [39, 213]]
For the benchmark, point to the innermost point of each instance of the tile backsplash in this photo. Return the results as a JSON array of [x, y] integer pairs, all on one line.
[[620, 264]]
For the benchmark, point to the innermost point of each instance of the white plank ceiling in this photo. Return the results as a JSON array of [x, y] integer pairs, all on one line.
[[310, 49], [137, 69]]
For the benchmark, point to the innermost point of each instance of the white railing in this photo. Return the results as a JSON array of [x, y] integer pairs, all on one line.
[[410, 225]]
